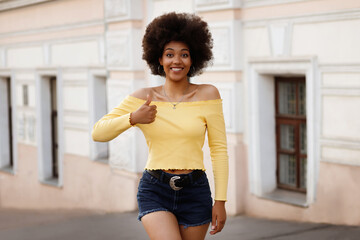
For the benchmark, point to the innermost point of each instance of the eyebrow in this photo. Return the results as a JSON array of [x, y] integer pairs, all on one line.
[[184, 49]]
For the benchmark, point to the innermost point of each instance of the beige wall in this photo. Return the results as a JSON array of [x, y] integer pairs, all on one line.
[[326, 31], [80, 40], [336, 203], [87, 185]]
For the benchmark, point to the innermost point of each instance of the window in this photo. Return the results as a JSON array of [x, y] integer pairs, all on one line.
[[291, 133], [98, 100], [263, 148], [10, 132], [6, 138], [48, 125], [54, 127]]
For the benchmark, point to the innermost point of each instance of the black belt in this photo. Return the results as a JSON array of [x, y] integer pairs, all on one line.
[[176, 182]]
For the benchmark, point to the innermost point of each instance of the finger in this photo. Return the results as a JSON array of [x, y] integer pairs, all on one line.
[[151, 120], [213, 225], [148, 100], [220, 226], [217, 229], [214, 231]]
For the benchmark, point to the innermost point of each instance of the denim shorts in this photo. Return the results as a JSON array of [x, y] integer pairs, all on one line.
[[191, 205]]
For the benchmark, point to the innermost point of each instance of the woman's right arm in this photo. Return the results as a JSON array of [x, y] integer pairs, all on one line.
[[113, 123], [122, 118]]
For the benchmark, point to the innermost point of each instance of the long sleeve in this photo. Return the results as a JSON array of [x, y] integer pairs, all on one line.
[[115, 122], [218, 148]]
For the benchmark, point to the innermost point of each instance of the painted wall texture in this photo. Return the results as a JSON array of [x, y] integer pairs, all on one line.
[[85, 56]]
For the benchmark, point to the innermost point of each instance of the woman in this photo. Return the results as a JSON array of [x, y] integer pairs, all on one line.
[[174, 197]]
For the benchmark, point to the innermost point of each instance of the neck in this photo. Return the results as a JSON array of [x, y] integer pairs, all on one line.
[[175, 90]]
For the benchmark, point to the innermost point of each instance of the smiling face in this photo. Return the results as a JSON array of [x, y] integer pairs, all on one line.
[[176, 61]]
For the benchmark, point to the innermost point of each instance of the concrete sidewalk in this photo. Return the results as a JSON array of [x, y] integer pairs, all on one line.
[[75, 225]]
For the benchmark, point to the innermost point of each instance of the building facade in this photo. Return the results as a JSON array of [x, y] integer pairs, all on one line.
[[288, 72]]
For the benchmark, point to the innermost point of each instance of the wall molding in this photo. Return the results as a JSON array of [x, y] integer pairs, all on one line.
[[342, 15], [340, 67], [226, 36], [211, 5], [11, 4], [123, 49], [340, 143], [65, 27], [233, 108], [261, 3], [123, 10], [345, 92]]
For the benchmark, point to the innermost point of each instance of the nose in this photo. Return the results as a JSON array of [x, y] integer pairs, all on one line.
[[177, 59]]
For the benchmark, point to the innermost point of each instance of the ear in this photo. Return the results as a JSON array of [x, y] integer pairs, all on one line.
[[160, 61]]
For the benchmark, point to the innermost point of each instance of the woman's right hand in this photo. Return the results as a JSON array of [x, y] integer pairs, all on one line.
[[145, 114]]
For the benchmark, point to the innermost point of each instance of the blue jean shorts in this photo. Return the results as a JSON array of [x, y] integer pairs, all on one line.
[[191, 205]]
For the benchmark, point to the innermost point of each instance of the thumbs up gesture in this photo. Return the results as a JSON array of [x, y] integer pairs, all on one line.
[[145, 114]]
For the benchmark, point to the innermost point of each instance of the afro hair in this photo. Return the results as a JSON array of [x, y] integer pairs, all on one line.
[[182, 27]]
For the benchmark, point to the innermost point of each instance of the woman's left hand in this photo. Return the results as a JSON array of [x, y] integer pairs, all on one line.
[[218, 217]]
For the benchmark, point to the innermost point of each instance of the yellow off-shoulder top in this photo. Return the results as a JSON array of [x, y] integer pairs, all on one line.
[[176, 137]]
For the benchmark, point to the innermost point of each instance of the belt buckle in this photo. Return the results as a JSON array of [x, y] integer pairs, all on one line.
[[172, 183]]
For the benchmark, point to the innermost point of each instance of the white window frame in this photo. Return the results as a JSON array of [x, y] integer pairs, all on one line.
[[261, 119], [43, 126], [97, 102], [4, 125]]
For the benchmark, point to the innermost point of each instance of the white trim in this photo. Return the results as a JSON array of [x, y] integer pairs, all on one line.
[[123, 49], [133, 10], [4, 123], [262, 121], [261, 3], [227, 55], [3, 57], [98, 108], [11, 4], [340, 67], [49, 43], [215, 5], [280, 34], [128, 151], [233, 105], [56, 28], [337, 91], [306, 18], [43, 126]]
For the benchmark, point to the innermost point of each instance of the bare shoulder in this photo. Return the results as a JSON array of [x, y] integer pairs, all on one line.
[[208, 92], [142, 93]]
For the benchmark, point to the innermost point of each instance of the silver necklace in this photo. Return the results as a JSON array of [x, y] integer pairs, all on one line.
[[175, 104]]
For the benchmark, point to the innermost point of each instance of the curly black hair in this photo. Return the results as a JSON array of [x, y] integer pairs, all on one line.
[[182, 27]]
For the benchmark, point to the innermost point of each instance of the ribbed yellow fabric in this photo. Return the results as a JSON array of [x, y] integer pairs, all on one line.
[[176, 137]]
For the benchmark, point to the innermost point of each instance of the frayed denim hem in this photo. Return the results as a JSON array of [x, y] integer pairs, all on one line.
[[195, 224], [151, 211]]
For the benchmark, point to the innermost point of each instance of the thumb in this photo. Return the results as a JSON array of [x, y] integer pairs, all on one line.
[[148, 101]]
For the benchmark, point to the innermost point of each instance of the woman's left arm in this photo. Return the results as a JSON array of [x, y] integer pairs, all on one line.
[[218, 217], [219, 158]]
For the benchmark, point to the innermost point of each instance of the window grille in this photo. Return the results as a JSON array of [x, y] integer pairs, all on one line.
[[291, 133]]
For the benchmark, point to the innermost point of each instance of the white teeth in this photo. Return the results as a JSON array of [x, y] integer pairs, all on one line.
[[176, 69]]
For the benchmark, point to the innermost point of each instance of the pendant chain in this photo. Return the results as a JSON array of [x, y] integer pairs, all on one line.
[[175, 104]]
